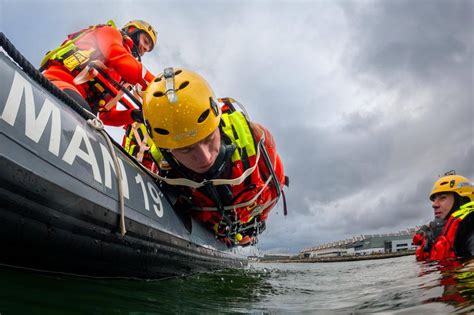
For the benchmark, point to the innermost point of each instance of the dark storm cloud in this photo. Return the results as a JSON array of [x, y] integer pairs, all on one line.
[[427, 39]]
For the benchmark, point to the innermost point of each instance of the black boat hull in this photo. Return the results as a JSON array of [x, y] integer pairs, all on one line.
[[59, 202]]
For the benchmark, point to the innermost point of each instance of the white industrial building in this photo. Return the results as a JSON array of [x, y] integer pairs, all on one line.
[[364, 245]]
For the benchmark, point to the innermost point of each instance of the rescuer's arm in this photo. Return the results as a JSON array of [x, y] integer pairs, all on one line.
[[119, 58], [117, 118]]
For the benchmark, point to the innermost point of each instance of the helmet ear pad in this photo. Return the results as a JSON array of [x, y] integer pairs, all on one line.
[[132, 34], [136, 42], [140, 26], [463, 200], [136, 38]]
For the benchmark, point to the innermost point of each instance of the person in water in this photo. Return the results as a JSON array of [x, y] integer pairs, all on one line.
[[451, 234], [227, 170], [117, 51]]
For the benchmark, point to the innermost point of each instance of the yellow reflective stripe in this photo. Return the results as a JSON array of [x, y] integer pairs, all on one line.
[[58, 52], [155, 153], [242, 204], [127, 145], [228, 131], [464, 210], [78, 58], [244, 134], [243, 131], [111, 23]]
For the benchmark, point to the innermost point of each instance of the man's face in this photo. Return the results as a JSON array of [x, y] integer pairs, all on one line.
[[145, 44], [200, 156], [442, 204]]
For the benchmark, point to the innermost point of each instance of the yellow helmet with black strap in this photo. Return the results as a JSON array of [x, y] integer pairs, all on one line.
[[68, 53], [135, 27], [180, 109], [450, 182]]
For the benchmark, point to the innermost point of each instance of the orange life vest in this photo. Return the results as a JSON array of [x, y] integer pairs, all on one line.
[[443, 247], [100, 44], [242, 213]]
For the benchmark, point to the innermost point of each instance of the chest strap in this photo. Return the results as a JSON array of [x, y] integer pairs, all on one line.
[[233, 182]]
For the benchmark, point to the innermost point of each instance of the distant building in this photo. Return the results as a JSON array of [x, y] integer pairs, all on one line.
[[363, 245], [267, 257], [330, 252], [383, 244]]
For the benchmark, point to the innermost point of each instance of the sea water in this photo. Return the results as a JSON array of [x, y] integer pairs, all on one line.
[[395, 285]]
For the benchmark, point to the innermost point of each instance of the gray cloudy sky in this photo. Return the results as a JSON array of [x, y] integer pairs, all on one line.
[[369, 101]]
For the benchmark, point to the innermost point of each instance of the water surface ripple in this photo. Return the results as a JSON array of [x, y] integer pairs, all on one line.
[[396, 285]]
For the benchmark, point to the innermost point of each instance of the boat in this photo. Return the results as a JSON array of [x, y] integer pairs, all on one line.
[[73, 201]]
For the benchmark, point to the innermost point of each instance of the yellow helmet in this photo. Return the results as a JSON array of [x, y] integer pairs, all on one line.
[[135, 26], [180, 109], [450, 182]]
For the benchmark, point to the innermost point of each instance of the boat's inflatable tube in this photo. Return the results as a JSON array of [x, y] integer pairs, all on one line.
[[59, 202]]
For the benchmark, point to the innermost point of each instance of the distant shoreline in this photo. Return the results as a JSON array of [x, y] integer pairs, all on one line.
[[335, 258]]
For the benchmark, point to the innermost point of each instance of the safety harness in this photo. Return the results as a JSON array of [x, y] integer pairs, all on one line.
[[103, 91], [443, 247], [235, 125], [69, 54]]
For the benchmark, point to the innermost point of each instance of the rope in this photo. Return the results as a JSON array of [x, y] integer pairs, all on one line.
[[36, 76], [97, 124], [92, 120]]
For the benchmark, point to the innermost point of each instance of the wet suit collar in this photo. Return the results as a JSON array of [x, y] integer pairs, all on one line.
[[221, 163]]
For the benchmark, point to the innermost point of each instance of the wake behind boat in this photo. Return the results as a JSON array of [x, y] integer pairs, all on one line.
[[60, 199]]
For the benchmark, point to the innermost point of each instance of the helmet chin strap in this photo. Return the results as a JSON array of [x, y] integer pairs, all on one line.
[[136, 43], [135, 37]]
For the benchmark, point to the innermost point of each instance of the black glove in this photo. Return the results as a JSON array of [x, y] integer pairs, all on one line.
[[437, 226], [137, 115]]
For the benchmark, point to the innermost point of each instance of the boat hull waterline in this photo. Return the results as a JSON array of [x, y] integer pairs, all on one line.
[[59, 202]]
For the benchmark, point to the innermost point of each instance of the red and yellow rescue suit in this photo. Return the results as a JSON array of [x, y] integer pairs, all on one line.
[[456, 239], [107, 45], [236, 211]]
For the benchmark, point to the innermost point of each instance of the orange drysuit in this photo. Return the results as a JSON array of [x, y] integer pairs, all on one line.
[[112, 49]]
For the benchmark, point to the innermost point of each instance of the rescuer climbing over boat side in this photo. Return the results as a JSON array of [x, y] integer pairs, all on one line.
[[117, 52], [227, 169], [451, 234]]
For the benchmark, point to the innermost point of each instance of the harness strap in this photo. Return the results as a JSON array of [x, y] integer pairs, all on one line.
[[142, 145], [68, 48], [240, 205], [285, 208], [269, 165], [85, 75], [113, 101], [238, 228], [233, 182]]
